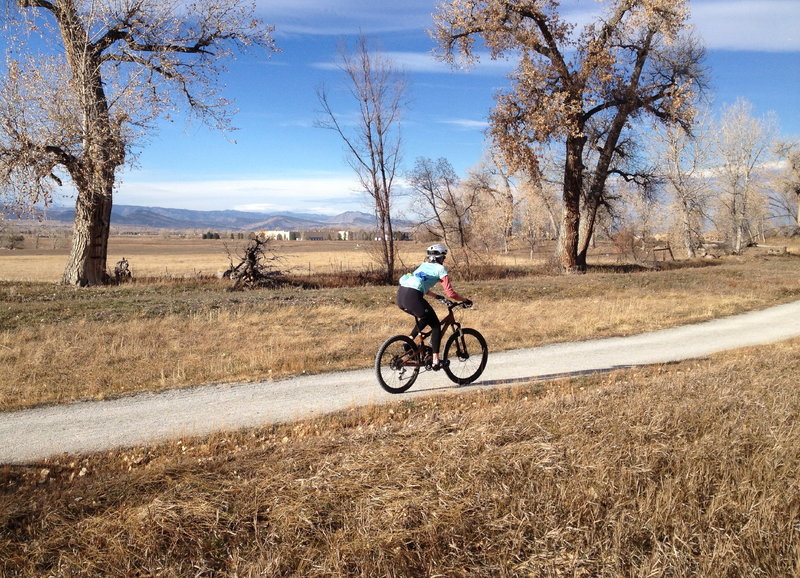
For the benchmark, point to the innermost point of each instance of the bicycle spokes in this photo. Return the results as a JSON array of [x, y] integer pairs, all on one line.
[[396, 364], [467, 353]]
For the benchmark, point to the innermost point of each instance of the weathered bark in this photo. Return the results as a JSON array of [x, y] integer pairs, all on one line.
[[797, 220], [387, 245], [90, 232], [688, 237], [590, 207], [571, 216]]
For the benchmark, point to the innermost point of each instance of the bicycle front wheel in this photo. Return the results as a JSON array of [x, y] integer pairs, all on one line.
[[467, 353], [396, 364]]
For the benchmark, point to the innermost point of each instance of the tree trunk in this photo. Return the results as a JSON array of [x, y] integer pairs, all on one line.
[[587, 230], [90, 231], [688, 240], [508, 214], [797, 220], [390, 253], [103, 151], [387, 238], [571, 216]]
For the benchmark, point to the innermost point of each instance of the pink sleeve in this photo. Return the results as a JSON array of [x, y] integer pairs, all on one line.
[[449, 291]]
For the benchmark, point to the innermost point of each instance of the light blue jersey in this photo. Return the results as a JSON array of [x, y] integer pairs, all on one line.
[[424, 277]]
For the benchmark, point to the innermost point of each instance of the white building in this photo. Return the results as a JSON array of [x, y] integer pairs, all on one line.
[[276, 235]]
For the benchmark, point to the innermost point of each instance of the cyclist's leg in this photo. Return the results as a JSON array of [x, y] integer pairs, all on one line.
[[413, 302], [432, 321]]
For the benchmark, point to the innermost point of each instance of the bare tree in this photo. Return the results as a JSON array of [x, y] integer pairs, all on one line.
[[493, 179], [785, 199], [373, 147], [744, 143], [537, 217], [112, 68], [683, 162], [582, 90], [443, 205]]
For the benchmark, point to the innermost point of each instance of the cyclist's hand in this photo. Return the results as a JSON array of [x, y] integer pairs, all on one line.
[[467, 303]]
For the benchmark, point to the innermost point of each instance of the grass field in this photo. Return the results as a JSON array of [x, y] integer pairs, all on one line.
[[685, 469], [59, 344]]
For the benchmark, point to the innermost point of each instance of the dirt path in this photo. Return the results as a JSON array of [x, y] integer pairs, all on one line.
[[31, 435]]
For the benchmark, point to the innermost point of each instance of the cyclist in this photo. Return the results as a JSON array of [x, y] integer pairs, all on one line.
[[411, 297]]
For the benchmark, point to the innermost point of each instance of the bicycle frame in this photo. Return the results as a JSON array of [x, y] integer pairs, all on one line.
[[446, 322]]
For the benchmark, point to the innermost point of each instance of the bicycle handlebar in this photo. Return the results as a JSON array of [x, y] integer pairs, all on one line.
[[453, 304]]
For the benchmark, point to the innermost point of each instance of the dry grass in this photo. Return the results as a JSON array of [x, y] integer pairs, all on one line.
[[686, 469], [59, 344], [154, 256]]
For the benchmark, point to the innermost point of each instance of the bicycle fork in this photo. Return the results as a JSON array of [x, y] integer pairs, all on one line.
[[461, 346]]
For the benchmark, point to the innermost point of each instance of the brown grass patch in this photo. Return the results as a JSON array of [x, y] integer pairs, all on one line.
[[685, 469]]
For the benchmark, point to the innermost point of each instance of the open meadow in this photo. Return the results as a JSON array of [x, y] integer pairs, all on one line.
[[60, 344], [684, 469], [170, 257]]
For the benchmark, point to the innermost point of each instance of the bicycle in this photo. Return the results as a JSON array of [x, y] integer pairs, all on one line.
[[400, 358]]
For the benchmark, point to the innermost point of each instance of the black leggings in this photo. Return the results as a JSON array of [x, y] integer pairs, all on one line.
[[413, 302]]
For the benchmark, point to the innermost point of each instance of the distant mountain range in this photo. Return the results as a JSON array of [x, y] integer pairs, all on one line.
[[179, 219]]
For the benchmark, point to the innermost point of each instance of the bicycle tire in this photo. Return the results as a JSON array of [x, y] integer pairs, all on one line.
[[467, 354], [395, 364]]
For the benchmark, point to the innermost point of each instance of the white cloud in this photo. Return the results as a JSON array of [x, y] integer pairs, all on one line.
[[328, 195], [762, 25], [427, 62], [758, 25]]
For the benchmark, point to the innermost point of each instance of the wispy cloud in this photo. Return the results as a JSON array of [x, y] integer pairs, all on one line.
[[427, 63], [336, 17], [757, 25], [466, 124]]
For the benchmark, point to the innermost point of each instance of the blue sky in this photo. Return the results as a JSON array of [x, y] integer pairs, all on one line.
[[279, 161]]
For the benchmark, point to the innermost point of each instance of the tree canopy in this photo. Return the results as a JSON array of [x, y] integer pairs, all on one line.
[[581, 89]]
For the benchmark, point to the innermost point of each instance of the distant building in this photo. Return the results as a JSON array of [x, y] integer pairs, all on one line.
[[277, 235], [345, 235]]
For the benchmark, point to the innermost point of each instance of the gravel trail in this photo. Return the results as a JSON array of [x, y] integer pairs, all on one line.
[[35, 434]]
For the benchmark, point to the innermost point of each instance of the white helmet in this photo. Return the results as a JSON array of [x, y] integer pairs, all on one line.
[[436, 253]]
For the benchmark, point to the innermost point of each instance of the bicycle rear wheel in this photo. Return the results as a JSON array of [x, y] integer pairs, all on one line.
[[396, 364], [467, 353]]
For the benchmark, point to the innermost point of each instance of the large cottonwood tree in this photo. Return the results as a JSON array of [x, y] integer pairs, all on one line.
[[581, 89], [84, 81]]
